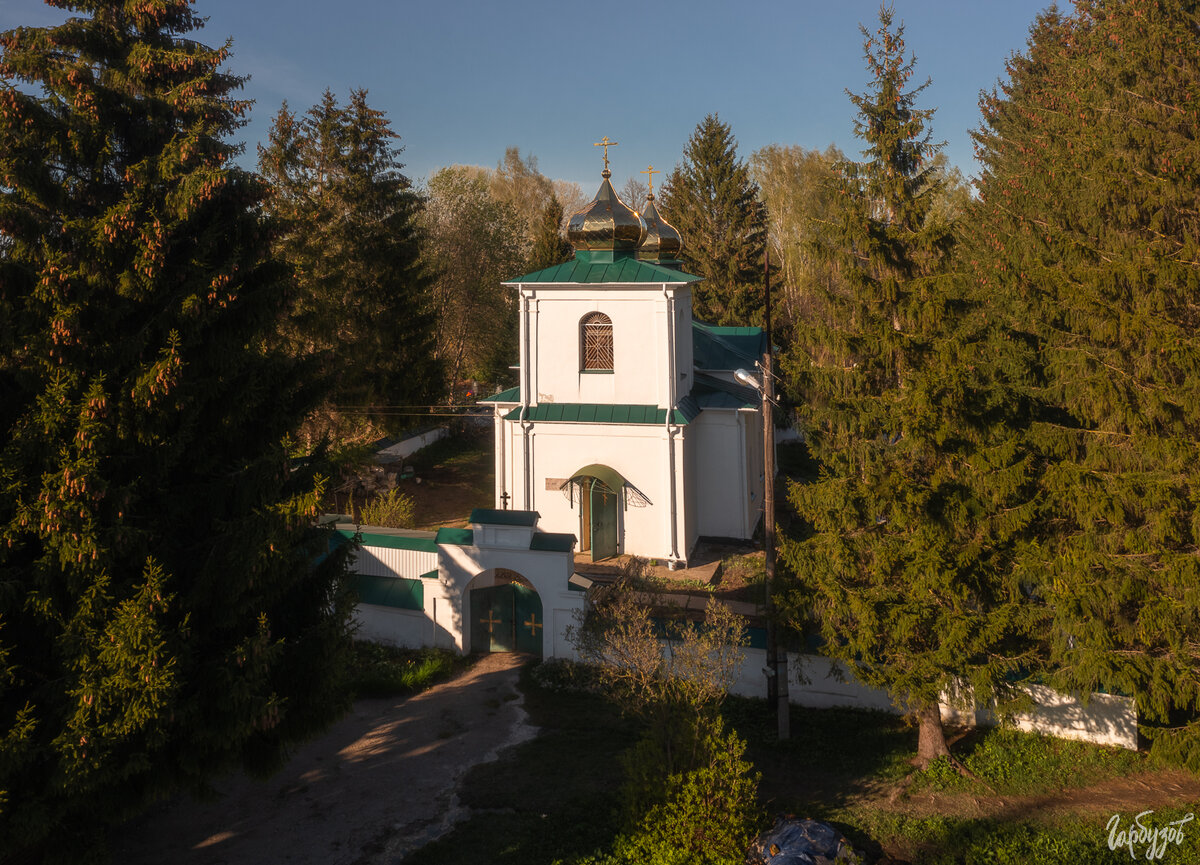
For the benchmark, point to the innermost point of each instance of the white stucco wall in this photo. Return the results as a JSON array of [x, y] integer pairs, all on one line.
[[813, 682], [464, 568], [728, 474], [637, 451], [646, 320], [446, 603]]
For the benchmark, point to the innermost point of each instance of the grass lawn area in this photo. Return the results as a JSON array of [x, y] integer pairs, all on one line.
[[385, 671], [551, 799], [1038, 801], [457, 474]]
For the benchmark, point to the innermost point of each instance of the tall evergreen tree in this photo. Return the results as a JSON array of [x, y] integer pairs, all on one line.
[[550, 247], [1086, 240], [161, 616], [347, 221], [714, 204], [921, 503]]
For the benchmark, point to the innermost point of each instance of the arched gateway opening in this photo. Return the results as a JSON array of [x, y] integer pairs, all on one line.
[[506, 616]]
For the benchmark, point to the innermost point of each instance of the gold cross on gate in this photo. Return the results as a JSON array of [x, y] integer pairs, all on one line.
[[650, 172], [533, 624], [490, 621], [605, 143]]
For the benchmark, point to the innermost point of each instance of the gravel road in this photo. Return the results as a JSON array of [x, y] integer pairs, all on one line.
[[379, 784]]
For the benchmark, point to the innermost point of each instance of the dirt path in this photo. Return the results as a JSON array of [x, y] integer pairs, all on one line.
[[1153, 789], [379, 784]]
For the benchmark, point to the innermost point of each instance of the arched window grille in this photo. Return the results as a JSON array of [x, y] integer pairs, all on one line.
[[596, 333]]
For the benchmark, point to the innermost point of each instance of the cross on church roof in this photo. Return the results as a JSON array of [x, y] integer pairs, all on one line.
[[605, 143], [650, 172]]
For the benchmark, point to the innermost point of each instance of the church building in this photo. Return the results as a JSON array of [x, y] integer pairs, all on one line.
[[628, 428]]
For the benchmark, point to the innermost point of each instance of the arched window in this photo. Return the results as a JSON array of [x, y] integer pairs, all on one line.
[[596, 335]]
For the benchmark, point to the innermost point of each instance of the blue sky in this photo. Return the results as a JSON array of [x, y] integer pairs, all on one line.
[[460, 81]]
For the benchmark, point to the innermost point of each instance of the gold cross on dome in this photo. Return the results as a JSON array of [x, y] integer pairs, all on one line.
[[605, 143], [650, 172]]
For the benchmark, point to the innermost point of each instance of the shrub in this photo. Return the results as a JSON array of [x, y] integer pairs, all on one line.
[[393, 511], [705, 816], [386, 671]]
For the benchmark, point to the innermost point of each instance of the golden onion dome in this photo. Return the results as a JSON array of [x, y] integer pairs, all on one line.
[[662, 241], [607, 223]]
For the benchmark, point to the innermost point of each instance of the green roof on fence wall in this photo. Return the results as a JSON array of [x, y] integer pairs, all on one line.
[[399, 539], [398, 592]]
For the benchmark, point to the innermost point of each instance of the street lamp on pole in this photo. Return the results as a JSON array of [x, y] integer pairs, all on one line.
[[776, 669]]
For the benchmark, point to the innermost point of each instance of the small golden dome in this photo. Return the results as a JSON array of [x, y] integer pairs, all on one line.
[[662, 241], [607, 223]]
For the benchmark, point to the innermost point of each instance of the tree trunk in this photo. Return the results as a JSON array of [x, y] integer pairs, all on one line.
[[931, 738]]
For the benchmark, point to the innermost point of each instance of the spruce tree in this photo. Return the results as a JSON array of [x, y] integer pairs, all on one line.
[[347, 221], [713, 203], [162, 611], [1086, 243], [921, 503], [550, 247]]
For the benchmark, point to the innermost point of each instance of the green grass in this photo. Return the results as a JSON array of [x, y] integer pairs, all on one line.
[[550, 799], [385, 671], [836, 744], [449, 451], [556, 799], [1022, 764]]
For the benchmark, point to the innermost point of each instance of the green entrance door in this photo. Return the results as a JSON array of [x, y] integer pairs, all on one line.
[[506, 618], [603, 513], [527, 619]]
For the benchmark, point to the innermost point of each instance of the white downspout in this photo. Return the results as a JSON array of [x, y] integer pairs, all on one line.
[[501, 447], [526, 385], [671, 429]]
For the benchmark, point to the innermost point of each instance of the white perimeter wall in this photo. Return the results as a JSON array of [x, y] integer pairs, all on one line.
[[435, 625], [411, 445], [443, 622], [813, 682], [464, 568]]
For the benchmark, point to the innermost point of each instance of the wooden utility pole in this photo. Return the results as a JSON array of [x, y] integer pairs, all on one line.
[[777, 683]]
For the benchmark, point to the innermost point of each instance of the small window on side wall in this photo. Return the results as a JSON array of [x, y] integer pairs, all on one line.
[[596, 335]]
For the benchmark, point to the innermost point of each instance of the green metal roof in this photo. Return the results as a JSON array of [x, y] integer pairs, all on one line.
[[456, 537], [726, 348], [611, 478], [394, 540], [552, 542], [488, 516], [513, 394], [712, 392], [399, 592], [594, 269], [576, 412]]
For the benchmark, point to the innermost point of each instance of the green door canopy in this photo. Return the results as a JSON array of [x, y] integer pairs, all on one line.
[[626, 492], [610, 478]]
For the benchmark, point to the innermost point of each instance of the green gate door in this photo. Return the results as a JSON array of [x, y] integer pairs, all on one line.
[[527, 619], [603, 507], [506, 618]]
